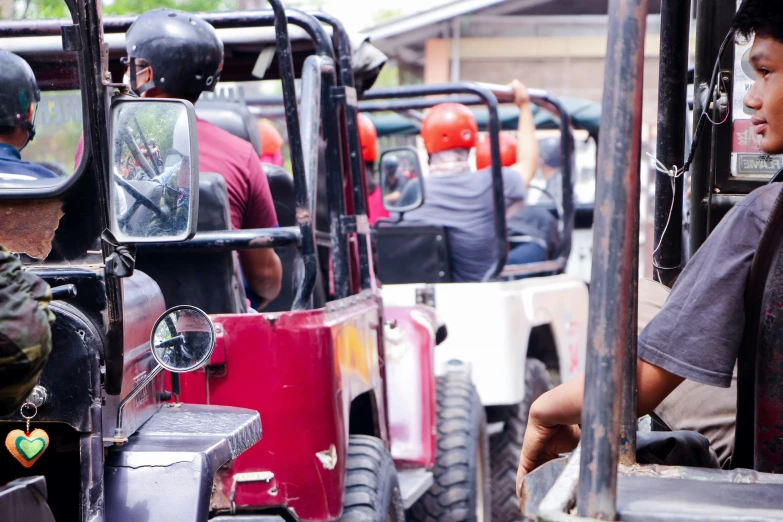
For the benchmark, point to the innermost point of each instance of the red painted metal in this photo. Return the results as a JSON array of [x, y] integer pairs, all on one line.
[[300, 371], [410, 345]]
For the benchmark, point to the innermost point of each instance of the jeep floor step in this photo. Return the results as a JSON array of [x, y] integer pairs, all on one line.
[[166, 469], [413, 484]]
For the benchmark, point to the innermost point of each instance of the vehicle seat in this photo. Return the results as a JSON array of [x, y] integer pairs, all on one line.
[[413, 254], [231, 117], [281, 184], [207, 280]]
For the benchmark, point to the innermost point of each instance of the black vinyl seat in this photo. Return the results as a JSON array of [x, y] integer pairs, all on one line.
[[413, 254], [231, 117], [207, 280], [281, 185]]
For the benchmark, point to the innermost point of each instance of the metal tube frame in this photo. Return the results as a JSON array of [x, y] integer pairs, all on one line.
[[670, 147], [611, 289], [490, 98], [350, 128], [384, 99]]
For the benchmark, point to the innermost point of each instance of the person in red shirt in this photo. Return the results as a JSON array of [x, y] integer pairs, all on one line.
[[368, 137], [172, 54]]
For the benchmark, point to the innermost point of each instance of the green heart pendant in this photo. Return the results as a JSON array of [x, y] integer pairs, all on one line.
[[30, 448], [27, 448]]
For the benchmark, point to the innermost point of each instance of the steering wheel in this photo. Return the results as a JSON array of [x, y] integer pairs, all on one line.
[[141, 200]]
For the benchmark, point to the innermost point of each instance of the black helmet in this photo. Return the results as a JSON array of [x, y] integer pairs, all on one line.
[[183, 50], [389, 164], [18, 89]]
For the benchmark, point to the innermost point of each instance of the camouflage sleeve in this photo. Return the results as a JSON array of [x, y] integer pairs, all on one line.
[[25, 334]]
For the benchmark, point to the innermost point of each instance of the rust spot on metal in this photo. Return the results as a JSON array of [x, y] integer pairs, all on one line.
[[28, 226]]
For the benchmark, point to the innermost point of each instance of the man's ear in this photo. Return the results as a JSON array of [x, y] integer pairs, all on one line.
[[31, 113], [144, 76]]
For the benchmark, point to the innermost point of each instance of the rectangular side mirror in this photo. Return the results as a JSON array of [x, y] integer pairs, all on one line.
[[154, 170], [401, 181]]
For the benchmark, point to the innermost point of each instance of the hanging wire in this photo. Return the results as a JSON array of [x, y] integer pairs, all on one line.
[[676, 172]]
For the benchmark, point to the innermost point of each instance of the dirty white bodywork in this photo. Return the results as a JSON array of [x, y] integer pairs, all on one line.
[[489, 326]]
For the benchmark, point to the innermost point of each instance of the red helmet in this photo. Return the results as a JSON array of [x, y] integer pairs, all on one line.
[[368, 138], [449, 126], [508, 151], [271, 140]]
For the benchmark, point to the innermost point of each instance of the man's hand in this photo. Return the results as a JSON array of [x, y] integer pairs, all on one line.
[[521, 97], [527, 143], [544, 443]]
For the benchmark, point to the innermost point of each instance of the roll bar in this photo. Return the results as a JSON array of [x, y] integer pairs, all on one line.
[[342, 45], [611, 339], [477, 94], [489, 95]]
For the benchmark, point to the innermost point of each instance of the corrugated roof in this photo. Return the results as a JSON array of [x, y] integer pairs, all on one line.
[[439, 14]]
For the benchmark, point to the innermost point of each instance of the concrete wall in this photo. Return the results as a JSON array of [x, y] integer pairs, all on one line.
[[565, 66]]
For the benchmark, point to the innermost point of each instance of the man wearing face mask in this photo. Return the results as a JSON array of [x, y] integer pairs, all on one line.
[[172, 54], [19, 97]]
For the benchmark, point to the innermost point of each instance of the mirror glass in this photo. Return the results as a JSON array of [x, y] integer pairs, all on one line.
[[183, 339], [153, 171], [401, 179]]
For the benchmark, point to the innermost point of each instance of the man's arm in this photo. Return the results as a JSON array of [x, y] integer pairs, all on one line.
[[25, 334], [527, 144], [263, 273], [551, 428], [261, 269]]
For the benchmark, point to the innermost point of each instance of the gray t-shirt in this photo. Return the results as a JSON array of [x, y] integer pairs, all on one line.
[[463, 204], [697, 333]]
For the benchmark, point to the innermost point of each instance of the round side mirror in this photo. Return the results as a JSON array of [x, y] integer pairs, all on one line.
[[183, 339]]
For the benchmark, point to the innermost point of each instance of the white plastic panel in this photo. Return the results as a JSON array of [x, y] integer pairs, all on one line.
[[489, 326]]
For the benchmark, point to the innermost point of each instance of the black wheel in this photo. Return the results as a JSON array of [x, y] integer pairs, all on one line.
[[461, 492], [506, 445], [372, 493]]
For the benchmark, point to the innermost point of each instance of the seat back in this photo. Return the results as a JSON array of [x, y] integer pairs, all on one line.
[[231, 117], [207, 280], [413, 254]]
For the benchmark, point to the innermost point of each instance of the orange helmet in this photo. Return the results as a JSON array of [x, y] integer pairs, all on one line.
[[368, 138], [508, 151], [271, 140], [449, 126]]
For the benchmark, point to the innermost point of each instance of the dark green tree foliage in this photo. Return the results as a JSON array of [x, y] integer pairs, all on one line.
[[58, 9]]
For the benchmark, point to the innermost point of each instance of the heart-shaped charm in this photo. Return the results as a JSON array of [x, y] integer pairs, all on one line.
[[27, 448]]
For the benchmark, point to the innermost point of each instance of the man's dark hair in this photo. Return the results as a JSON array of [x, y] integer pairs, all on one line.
[[759, 17]]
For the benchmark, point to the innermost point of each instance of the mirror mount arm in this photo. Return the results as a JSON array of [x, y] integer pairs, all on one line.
[[122, 261], [132, 395]]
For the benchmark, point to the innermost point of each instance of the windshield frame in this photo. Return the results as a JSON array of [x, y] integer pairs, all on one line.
[[30, 29]]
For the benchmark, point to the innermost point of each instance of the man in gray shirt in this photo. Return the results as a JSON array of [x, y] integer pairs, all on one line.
[[697, 333], [460, 199]]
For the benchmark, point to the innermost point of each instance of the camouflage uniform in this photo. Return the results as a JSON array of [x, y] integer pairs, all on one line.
[[173, 203], [25, 334]]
